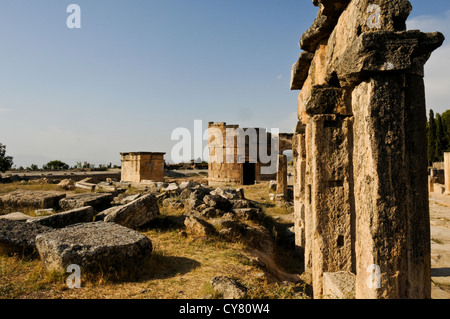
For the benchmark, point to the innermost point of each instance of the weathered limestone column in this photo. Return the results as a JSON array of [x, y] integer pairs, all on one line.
[[389, 161], [364, 187], [447, 172], [282, 175], [299, 157], [331, 206]]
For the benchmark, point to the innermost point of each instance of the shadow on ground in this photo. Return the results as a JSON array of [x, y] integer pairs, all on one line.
[[163, 267]]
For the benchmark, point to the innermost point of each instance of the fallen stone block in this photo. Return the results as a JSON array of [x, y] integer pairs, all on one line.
[[95, 247], [255, 237], [86, 186], [200, 192], [241, 203], [210, 212], [246, 213], [135, 214], [67, 184], [198, 226], [71, 217], [217, 202], [19, 237], [18, 200], [185, 194], [229, 288], [129, 199], [16, 216], [172, 189], [339, 285], [194, 204], [228, 193], [105, 187], [188, 185], [99, 202]]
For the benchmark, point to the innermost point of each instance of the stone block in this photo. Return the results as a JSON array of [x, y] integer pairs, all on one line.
[[99, 202], [64, 219], [19, 237], [18, 200], [95, 247], [339, 285], [135, 214]]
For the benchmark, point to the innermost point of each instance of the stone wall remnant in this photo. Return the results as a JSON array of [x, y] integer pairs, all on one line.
[[243, 156], [140, 166], [360, 162]]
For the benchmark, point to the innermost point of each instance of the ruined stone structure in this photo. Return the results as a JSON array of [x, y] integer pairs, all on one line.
[[282, 176], [229, 166], [140, 166], [226, 165], [360, 193], [447, 172]]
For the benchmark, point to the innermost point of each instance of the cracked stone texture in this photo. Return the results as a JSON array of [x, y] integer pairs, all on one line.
[[135, 214], [17, 200], [64, 219], [19, 237], [94, 247], [98, 201]]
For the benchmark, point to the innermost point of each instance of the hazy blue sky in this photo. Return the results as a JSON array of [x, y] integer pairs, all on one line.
[[138, 69]]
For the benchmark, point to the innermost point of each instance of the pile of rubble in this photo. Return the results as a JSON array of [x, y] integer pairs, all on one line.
[[99, 231], [90, 232]]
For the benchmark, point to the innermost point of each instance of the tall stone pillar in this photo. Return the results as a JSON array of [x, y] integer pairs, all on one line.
[[299, 157], [364, 188], [282, 176]]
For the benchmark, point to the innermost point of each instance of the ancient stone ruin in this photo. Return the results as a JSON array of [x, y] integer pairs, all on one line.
[[229, 164], [142, 166], [360, 159]]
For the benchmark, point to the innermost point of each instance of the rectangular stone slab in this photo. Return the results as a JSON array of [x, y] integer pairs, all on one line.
[[64, 219], [17, 200]]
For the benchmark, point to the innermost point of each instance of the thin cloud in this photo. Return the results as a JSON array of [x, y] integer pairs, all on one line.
[[437, 69]]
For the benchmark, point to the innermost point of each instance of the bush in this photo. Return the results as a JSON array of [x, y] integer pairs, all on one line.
[[57, 165], [6, 162]]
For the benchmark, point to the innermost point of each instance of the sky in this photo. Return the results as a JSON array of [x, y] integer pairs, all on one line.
[[137, 70]]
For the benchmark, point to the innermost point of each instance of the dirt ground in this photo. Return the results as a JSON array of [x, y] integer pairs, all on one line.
[[440, 245]]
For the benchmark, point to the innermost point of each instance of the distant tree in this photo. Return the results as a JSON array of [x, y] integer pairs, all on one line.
[[34, 167], [440, 139], [431, 132], [6, 162], [446, 123], [55, 165]]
